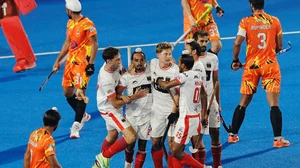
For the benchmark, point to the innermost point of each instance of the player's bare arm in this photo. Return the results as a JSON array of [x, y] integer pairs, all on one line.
[[27, 158], [278, 40], [215, 80], [94, 42], [203, 99], [187, 10], [236, 64], [53, 161], [168, 85], [63, 52], [116, 103]]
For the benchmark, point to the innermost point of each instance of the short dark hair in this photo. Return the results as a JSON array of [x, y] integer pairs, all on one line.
[[195, 46], [110, 53], [187, 60], [141, 52], [77, 13], [258, 4], [51, 118], [200, 33]]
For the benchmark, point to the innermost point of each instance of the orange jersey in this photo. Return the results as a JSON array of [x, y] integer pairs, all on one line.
[[197, 9], [80, 46], [41, 144], [260, 31]]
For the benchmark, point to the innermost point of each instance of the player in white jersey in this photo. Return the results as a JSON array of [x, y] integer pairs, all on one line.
[[110, 108], [161, 68], [211, 65], [138, 112], [188, 124]]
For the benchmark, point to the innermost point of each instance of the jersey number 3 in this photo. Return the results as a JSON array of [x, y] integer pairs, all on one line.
[[263, 43]]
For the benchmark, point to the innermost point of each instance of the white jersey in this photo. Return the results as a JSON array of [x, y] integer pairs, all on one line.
[[162, 101], [199, 67], [139, 107], [106, 88], [211, 64], [190, 88]]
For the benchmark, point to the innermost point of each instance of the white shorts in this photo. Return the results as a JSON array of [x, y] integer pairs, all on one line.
[[186, 128], [115, 121], [143, 129], [159, 124], [213, 118]]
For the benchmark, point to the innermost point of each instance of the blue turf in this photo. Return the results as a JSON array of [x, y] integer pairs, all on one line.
[[136, 22]]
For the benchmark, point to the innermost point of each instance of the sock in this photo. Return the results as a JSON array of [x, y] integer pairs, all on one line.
[[216, 152], [170, 160], [157, 157], [140, 159], [72, 101], [129, 156], [212, 52], [105, 145], [80, 110], [117, 147], [188, 160], [276, 120], [176, 163], [238, 118], [200, 156]]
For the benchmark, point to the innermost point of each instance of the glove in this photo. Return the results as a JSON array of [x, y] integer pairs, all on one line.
[[173, 117], [90, 69], [236, 63], [219, 10]]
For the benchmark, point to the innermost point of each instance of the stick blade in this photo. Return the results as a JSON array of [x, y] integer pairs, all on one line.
[[192, 150]]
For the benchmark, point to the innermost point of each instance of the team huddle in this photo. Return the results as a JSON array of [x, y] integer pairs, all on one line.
[[163, 99]]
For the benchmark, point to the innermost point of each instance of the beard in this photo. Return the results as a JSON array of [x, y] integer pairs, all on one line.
[[139, 68], [203, 48]]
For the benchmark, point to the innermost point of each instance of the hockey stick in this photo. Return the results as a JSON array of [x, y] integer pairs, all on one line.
[[52, 72], [228, 129], [194, 150], [289, 47], [209, 8]]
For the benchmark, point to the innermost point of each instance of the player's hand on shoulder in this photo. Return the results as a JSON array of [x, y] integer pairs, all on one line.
[[126, 99], [220, 12], [90, 69], [236, 65]]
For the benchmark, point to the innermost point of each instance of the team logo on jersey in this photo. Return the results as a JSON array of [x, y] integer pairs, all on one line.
[[77, 33], [196, 77], [92, 29], [185, 74], [73, 44], [208, 65], [149, 78]]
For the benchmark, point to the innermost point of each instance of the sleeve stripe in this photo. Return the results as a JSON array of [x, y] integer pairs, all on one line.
[[111, 95], [178, 81]]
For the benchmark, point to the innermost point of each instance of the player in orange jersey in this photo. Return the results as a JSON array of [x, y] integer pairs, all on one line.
[[263, 36], [193, 9], [40, 150], [81, 46]]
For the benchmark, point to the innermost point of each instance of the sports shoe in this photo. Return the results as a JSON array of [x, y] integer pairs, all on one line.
[[23, 65], [128, 165], [102, 161], [84, 120], [206, 166], [74, 133], [281, 143], [233, 139]]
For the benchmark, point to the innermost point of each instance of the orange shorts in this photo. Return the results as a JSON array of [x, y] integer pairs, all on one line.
[[211, 28], [75, 76], [270, 74]]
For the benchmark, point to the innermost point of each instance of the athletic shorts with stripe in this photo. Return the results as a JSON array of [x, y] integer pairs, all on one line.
[[213, 117], [186, 128], [270, 74], [159, 124], [141, 125], [115, 121]]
